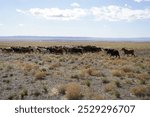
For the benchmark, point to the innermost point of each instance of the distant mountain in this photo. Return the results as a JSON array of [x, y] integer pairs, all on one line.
[[63, 38]]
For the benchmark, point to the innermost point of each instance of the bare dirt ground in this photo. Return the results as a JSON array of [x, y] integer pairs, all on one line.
[[75, 76]]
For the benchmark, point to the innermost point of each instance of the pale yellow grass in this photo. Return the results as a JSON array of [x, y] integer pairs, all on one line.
[[73, 91], [134, 45]]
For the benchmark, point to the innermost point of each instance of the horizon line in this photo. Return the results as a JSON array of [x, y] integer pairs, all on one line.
[[67, 36]]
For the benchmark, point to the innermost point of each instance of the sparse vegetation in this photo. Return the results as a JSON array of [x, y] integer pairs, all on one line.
[[23, 93], [6, 81], [109, 87], [98, 97], [45, 89], [36, 93], [94, 72], [54, 66], [127, 69], [116, 94], [117, 73], [105, 80], [13, 97], [117, 83], [9, 67], [27, 67], [92, 75], [88, 83], [39, 75], [62, 89], [139, 90], [73, 91], [143, 77]]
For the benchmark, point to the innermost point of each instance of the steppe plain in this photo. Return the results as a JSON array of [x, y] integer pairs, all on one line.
[[87, 76]]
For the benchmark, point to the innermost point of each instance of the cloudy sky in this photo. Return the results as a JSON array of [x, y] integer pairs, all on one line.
[[88, 18]]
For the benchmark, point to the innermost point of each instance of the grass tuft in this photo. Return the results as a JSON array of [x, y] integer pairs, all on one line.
[[39, 75], [139, 90], [117, 73], [109, 87], [73, 91]]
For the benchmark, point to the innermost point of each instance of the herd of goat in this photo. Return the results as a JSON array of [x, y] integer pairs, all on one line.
[[67, 50]]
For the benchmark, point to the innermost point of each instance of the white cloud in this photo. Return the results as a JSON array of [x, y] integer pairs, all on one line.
[[126, 5], [142, 1], [20, 11], [116, 13], [109, 13], [75, 4], [56, 13], [138, 0], [20, 25]]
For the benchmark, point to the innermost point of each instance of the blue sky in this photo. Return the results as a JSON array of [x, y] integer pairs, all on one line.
[[88, 18]]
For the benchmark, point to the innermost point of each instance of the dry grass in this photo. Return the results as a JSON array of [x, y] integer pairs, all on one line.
[[91, 72], [62, 89], [13, 96], [78, 74], [91, 94], [9, 67], [127, 69], [118, 84], [23, 93], [143, 76], [131, 75], [128, 81], [73, 91], [6, 81], [139, 90], [28, 67], [98, 97], [54, 91], [118, 73], [116, 94], [54, 65], [142, 45], [109, 87], [95, 75], [39, 75], [105, 80], [36, 93], [86, 82]]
